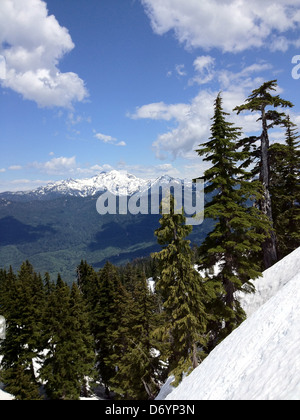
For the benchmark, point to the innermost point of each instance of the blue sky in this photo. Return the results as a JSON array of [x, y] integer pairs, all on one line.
[[93, 85]]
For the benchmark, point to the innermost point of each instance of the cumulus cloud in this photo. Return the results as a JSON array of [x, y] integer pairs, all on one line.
[[192, 121], [109, 139], [204, 67], [15, 168], [230, 25], [32, 43], [60, 165]]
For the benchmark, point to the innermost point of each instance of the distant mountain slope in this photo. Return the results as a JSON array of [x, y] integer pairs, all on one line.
[[260, 360], [115, 182], [56, 226]]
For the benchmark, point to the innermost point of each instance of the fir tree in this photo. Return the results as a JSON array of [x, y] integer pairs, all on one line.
[[183, 293], [136, 363], [69, 356], [106, 318], [285, 190], [22, 303], [259, 101], [229, 250], [87, 281]]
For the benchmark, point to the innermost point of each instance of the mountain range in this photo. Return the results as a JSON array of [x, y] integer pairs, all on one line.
[[57, 225], [116, 182]]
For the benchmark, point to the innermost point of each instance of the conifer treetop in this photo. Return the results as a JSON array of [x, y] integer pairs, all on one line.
[[260, 98]]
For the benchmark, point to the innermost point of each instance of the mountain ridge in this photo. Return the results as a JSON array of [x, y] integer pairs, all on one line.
[[116, 182]]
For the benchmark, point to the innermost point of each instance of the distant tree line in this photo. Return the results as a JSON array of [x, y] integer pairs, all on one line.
[[111, 328]]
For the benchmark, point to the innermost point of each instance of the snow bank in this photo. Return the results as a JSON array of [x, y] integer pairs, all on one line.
[[260, 360], [271, 282], [4, 396]]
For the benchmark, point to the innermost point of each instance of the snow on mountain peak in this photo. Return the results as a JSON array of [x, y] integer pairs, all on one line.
[[114, 181]]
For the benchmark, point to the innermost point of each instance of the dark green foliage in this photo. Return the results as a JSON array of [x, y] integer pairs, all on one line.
[[106, 317], [229, 251], [134, 358], [285, 190], [22, 303], [259, 101], [69, 357], [183, 332]]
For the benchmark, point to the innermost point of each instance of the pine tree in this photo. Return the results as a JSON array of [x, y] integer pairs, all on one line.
[[106, 318], [69, 356], [87, 281], [229, 250], [135, 361], [259, 101], [184, 295], [81, 344], [22, 302], [285, 190]]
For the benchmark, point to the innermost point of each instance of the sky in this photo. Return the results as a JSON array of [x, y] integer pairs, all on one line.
[[95, 85]]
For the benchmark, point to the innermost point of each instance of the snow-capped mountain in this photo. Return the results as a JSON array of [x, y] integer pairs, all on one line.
[[116, 182], [113, 181]]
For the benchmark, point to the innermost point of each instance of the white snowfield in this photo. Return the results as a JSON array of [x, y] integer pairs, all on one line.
[[260, 360]]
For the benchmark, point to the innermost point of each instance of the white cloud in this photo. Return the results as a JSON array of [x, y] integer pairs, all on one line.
[[15, 168], [121, 144], [161, 111], [204, 67], [60, 165], [2, 170], [180, 69], [109, 139], [231, 25], [33, 43], [2, 68], [192, 121], [105, 138]]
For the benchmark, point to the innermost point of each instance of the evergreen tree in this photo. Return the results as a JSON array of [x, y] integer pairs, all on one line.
[[184, 295], [135, 361], [22, 303], [106, 317], [285, 190], [87, 281], [259, 101], [229, 250], [69, 356]]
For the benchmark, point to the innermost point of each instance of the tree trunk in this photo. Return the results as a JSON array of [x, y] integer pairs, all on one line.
[[195, 359], [269, 246]]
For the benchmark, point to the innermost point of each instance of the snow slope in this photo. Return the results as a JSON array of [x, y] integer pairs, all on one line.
[[4, 396], [260, 360]]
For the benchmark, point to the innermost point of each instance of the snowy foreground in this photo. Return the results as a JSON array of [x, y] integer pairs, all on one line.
[[260, 360]]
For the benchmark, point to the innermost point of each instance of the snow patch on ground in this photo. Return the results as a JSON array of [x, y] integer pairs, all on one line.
[[260, 360]]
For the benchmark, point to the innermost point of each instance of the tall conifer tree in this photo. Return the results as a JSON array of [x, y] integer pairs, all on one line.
[[184, 295], [106, 317], [69, 357], [229, 250], [259, 101], [285, 190], [136, 363], [22, 303]]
